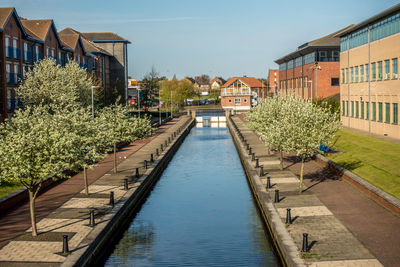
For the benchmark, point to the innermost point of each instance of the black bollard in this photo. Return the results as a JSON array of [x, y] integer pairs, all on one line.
[[91, 218], [65, 249], [253, 156], [257, 163], [157, 153], [137, 172], [247, 146], [145, 164], [166, 143], [261, 171], [276, 196], [305, 243], [169, 139], [126, 184], [269, 182], [162, 148], [288, 216], [151, 158], [250, 151], [111, 198]]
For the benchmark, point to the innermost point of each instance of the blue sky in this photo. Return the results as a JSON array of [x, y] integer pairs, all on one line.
[[215, 37]]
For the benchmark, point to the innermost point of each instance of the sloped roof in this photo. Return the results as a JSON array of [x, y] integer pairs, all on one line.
[[328, 41], [5, 13], [88, 45], [69, 40], [218, 79], [250, 81], [190, 79], [38, 28], [104, 36]]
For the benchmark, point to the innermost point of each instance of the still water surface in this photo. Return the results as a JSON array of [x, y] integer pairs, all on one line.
[[200, 213]]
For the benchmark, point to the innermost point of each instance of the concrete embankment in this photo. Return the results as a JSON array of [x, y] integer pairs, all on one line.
[[329, 242]]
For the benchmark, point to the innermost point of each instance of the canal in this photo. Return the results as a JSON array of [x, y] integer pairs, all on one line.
[[200, 212]]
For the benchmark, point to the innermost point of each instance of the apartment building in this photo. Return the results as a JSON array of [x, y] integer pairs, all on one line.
[[370, 85], [241, 93], [25, 42], [312, 70], [117, 47]]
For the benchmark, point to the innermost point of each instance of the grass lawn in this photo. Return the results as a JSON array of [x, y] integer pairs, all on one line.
[[7, 188], [375, 160]]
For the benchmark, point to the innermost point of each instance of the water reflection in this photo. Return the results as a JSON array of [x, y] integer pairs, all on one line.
[[200, 213]]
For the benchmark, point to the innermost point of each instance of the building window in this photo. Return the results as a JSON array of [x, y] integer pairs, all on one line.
[[230, 100], [15, 48], [7, 43], [395, 113], [380, 71], [351, 74], [245, 100], [47, 51], [367, 113], [334, 81], [374, 111], [343, 108], [366, 72], [238, 101], [352, 108], [343, 81], [361, 73], [357, 112], [362, 110], [387, 69], [10, 102], [373, 66], [356, 74], [8, 72], [347, 108], [380, 115], [394, 68], [37, 53], [25, 51], [53, 53], [387, 112], [347, 75]]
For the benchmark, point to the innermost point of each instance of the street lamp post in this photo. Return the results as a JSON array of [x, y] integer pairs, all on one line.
[[93, 87], [310, 88], [159, 105], [171, 104], [138, 97]]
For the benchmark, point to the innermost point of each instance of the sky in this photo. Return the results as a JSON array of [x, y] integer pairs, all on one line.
[[214, 37]]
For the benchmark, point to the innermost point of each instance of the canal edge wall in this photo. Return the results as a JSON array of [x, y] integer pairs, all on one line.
[[91, 250], [282, 241]]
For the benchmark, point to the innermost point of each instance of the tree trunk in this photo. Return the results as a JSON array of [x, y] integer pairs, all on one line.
[[115, 157], [281, 157], [86, 180], [32, 197], [301, 173]]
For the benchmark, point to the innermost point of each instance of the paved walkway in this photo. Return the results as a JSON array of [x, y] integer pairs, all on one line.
[[64, 208], [331, 241]]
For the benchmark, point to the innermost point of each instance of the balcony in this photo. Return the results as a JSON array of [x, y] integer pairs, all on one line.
[[13, 52], [28, 56], [14, 78]]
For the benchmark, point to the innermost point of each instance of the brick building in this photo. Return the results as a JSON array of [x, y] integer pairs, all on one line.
[[273, 81], [241, 93], [312, 70], [117, 47], [25, 42], [370, 84]]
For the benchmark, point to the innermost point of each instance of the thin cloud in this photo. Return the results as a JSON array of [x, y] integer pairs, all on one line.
[[145, 20]]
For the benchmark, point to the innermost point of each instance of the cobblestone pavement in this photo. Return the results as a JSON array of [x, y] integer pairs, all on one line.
[[71, 214], [330, 243]]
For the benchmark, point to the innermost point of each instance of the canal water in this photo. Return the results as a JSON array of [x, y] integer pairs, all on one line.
[[200, 212]]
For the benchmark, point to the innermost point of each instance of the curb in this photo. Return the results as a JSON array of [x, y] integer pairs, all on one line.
[[282, 241], [386, 200]]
